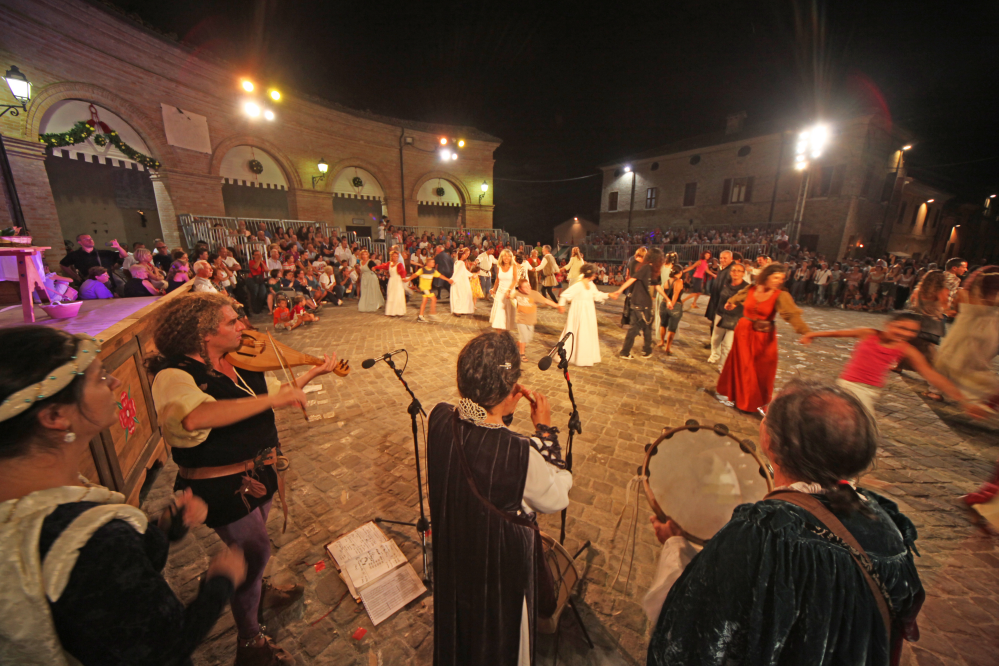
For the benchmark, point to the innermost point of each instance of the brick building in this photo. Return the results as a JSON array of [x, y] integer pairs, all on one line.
[[189, 113], [745, 176]]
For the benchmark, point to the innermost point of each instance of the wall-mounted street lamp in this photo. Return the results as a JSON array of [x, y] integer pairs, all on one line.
[[20, 88], [323, 168], [485, 188]]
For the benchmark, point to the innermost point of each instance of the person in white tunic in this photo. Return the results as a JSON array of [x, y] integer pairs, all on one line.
[[582, 318], [461, 287], [395, 292], [371, 294], [972, 342], [504, 313]]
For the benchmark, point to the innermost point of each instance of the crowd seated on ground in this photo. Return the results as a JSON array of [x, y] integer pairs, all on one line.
[[685, 236]]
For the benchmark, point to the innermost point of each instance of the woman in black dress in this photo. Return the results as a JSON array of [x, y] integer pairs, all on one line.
[[104, 602]]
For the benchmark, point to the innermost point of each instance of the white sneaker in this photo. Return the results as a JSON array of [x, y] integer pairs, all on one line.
[[420, 319]]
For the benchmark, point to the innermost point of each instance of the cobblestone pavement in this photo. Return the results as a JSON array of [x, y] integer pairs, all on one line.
[[354, 461]]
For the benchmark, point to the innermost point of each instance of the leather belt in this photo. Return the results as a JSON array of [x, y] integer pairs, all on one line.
[[269, 457]]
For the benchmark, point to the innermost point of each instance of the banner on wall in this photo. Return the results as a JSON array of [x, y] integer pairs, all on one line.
[[185, 129]]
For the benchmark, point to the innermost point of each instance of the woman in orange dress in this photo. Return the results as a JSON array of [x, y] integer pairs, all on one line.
[[748, 377]]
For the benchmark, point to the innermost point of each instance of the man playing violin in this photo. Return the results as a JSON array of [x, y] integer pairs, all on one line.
[[486, 485], [220, 423]]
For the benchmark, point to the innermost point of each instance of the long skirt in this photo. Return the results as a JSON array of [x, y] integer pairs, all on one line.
[[461, 297], [371, 296], [750, 369], [395, 301]]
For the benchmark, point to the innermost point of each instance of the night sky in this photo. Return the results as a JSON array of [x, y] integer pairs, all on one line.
[[568, 86]]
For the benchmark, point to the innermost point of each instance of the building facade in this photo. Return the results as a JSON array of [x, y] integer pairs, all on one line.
[[746, 177], [188, 117]]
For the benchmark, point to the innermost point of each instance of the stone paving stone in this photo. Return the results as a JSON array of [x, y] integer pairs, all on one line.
[[359, 464]]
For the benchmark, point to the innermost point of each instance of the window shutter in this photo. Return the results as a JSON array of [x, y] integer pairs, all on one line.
[[726, 190], [749, 189], [839, 175]]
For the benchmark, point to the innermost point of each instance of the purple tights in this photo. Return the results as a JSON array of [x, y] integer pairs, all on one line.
[[250, 534]]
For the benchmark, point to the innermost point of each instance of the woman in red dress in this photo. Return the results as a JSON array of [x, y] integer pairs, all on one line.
[[751, 367]]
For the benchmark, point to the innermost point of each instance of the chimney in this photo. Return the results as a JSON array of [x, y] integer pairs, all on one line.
[[734, 121]]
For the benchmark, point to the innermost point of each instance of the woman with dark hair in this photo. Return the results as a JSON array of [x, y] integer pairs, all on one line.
[[819, 572], [81, 568], [700, 268], [747, 379], [584, 346], [486, 485]]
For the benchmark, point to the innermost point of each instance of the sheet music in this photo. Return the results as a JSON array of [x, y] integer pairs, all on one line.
[[389, 594], [366, 537], [378, 561]]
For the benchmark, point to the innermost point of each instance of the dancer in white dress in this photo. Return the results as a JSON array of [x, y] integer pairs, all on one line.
[[504, 314], [967, 351], [461, 287], [395, 293], [371, 294], [582, 318]]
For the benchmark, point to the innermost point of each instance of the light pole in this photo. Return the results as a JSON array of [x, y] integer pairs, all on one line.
[[811, 143], [20, 88], [878, 244], [631, 206]]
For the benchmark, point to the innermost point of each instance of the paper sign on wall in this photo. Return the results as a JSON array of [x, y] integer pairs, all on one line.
[[185, 129]]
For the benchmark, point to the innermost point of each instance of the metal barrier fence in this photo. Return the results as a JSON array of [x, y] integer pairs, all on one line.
[[468, 234], [686, 253]]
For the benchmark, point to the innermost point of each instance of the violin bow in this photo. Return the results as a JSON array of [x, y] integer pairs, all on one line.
[[286, 369]]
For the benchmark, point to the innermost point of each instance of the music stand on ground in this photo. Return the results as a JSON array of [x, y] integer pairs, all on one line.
[[422, 525]]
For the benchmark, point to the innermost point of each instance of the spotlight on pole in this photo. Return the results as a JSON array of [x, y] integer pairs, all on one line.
[[906, 147], [251, 109], [454, 156], [461, 143], [443, 140], [445, 155], [930, 200], [247, 85], [627, 169], [275, 95], [268, 114]]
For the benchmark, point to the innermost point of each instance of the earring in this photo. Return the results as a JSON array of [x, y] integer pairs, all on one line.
[[69, 437]]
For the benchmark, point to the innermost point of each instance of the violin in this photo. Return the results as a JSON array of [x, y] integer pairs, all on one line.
[[256, 353]]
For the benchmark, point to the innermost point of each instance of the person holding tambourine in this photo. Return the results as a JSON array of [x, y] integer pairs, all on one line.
[[819, 572]]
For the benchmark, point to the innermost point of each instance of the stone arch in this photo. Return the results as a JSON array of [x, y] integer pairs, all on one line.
[[443, 175], [348, 162], [287, 166], [148, 130]]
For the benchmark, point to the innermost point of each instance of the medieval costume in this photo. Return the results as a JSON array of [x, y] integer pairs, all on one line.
[[774, 587], [751, 367], [485, 483], [232, 468], [91, 592], [582, 321]]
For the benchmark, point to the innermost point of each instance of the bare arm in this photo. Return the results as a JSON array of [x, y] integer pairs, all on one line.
[[922, 366], [845, 333], [221, 413], [71, 272]]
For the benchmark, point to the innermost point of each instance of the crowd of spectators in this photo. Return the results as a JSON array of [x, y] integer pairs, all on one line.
[[683, 236]]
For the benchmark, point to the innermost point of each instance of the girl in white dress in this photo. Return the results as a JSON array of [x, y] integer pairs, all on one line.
[[395, 293], [461, 287], [582, 318], [972, 342], [371, 294], [504, 314]]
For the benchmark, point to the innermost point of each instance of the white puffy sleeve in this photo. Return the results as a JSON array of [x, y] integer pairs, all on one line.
[[676, 554], [176, 395], [547, 486], [570, 293]]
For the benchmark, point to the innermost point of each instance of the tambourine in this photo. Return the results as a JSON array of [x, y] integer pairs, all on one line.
[[696, 475]]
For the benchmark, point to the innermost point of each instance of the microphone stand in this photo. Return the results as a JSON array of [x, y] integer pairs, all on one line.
[[574, 426], [422, 525]]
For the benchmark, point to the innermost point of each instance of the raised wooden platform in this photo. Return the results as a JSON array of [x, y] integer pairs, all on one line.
[[121, 454]]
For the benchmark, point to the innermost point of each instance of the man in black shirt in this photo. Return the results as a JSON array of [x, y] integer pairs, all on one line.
[[641, 303], [163, 258], [77, 264]]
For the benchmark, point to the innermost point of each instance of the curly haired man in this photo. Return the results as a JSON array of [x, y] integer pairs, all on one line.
[[220, 423]]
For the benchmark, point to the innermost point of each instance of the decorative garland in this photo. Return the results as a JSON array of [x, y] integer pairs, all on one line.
[[357, 182], [439, 191], [256, 167], [83, 130]]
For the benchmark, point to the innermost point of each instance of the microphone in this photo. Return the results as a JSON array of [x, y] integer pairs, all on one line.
[[546, 360], [369, 363]]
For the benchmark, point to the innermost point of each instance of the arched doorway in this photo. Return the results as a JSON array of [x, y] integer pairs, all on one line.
[[253, 184], [439, 204], [358, 200], [99, 189]]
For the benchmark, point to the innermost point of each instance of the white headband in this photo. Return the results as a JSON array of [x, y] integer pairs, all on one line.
[[87, 350]]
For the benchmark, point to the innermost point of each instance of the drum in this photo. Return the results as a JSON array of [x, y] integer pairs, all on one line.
[[696, 475], [564, 573]]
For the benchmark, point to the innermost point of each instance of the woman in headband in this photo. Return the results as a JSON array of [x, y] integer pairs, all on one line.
[[91, 591]]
